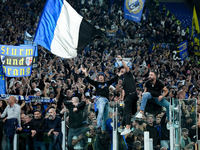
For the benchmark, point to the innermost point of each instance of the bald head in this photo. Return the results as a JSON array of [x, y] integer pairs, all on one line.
[[52, 110], [75, 100], [11, 100], [52, 114]]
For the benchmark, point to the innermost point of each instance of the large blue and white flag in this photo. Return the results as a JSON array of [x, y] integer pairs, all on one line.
[[133, 9], [62, 30]]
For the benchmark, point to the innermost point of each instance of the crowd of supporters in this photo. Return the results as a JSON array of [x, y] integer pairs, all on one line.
[[63, 80]]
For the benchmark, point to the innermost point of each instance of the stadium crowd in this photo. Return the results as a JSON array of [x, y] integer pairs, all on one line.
[[65, 81]]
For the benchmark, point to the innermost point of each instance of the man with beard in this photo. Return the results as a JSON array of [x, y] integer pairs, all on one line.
[[130, 98], [53, 129], [186, 142], [153, 88]]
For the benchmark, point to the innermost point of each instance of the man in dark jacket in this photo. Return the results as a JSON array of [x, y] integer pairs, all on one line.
[[37, 130], [153, 132], [53, 129], [25, 134], [75, 119], [163, 131]]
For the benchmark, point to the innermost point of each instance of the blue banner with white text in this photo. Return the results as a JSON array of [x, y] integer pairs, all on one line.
[[2, 82], [133, 9], [183, 50], [28, 99], [17, 60]]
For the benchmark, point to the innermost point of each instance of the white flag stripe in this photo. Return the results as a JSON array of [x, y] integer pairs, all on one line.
[[66, 32]]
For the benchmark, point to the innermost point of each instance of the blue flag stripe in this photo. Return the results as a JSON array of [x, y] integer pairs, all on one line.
[[47, 24]]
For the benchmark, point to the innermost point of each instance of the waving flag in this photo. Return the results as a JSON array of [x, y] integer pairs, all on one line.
[[195, 28], [195, 22], [62, 30], [133, 9]]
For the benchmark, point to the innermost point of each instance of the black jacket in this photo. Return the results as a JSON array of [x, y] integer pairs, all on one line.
[[11, 125], [53, 124], [153, 133], [75, 118], [102, 88], [38, 125], [164, 130]]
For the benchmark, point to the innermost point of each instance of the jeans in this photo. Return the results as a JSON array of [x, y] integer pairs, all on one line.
[[103, 112], [73, 132], [163, 102], [39, 145]]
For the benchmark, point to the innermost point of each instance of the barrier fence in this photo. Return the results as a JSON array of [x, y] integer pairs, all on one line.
[[179, 110]]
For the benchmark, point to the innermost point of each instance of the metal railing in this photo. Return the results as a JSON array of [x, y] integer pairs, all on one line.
[[177, 112]]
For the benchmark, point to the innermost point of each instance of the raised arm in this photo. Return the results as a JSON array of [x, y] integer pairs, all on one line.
[[114, 79], [81, 104], [123, 62], [84, 71], [88, 78], [67, 103]]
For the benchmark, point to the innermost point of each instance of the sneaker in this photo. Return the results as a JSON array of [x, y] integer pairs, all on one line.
[[126, 131], [139, 115]]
